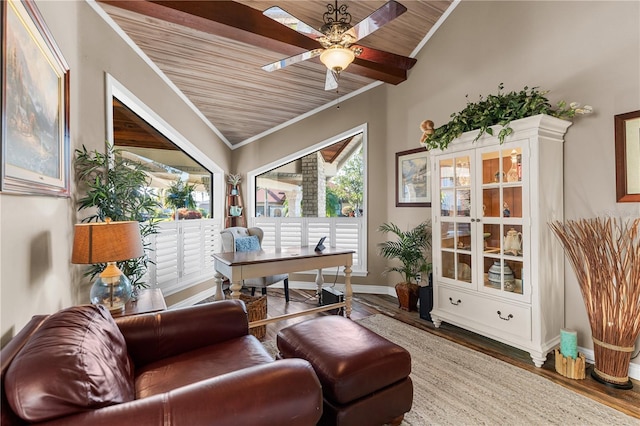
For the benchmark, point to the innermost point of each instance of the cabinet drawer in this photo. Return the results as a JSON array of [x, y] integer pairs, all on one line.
[[475, 308]]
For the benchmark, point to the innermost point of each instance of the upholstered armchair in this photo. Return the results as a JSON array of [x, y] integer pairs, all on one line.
[[191, 366], [238, 238]]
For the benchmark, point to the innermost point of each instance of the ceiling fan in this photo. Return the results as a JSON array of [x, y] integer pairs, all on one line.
[[337, 38]]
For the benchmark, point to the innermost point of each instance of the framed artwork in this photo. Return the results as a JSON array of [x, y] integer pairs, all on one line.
[[413, 178], [627, 139], [35, 105]]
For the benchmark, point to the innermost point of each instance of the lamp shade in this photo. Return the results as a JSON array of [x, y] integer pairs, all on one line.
[[106, 242], [337, 58]]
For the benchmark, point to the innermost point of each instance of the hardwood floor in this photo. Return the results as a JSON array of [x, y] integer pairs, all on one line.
[[627, 401]]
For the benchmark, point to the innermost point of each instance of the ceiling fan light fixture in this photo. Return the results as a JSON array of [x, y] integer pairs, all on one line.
[[337, 58]]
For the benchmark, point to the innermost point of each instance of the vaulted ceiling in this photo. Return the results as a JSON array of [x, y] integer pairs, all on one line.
[[213, 52]]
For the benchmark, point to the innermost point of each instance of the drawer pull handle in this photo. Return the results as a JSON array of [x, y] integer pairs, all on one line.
[[455, 303], [503, 318]]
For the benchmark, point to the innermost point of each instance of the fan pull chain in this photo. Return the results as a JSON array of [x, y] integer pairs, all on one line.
[[337, 77]]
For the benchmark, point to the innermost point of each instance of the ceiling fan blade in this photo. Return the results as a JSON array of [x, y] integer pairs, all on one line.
[[386, 58], [331, 80], [292, 60], [382, 16], [285, 18]]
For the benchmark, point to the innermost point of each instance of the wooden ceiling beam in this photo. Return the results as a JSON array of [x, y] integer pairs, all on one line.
[[243, 23]]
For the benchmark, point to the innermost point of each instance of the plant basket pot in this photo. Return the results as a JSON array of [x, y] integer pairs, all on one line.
[[612, 364], [256, 310], [407, 296]]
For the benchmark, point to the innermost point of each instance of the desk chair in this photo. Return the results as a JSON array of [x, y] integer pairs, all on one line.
[[238, 238]]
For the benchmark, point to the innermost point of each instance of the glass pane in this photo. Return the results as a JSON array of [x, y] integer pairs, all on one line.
[[497, 273], [514, 285], [446, 202], [463, 171], [464, 267], [491, 235], [446, 173], [491, 202], [463, 236], [463, 202], [512, 240], [447, 235], [448, 271], [512, 165], [490, 167], [503, 275], [513, 199], [319, 184], [169, 169]]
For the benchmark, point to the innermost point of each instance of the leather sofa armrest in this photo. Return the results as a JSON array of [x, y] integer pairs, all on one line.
[[284, 392], [154, 336]]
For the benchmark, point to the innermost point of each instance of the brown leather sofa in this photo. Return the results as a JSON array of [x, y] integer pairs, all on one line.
[[190, 366]]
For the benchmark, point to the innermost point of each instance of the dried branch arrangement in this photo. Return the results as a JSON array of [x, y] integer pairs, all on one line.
[[605, 255]]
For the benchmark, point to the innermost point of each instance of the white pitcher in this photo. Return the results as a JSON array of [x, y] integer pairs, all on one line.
[[236, 210]]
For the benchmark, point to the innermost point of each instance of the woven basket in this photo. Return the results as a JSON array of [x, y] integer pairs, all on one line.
[[612, 364], [256, 310]]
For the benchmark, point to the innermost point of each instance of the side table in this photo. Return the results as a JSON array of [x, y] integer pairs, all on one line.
[[149, 300]]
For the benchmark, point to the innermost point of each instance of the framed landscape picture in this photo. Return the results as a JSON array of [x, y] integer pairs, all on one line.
[[627, 142], [35, 105], [413, 178]]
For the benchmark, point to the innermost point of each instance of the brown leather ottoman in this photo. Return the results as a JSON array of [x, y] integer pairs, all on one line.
[[365, 378]]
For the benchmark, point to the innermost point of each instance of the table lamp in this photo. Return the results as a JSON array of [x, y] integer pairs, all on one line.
[[108, 242]]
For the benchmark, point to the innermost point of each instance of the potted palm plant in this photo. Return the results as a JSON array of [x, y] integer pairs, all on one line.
[[411, 250], [116, 188]]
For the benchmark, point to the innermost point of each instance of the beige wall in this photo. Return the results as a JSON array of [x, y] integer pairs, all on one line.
[[583, 51], [35, 271]]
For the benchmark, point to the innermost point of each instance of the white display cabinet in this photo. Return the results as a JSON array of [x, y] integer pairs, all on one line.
[[498, 268]]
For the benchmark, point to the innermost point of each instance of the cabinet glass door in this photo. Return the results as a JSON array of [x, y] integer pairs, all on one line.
[[502, 208], [455, 218]]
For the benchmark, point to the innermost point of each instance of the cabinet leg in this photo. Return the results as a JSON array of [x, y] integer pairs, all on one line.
[[436, 321], [538, 359]]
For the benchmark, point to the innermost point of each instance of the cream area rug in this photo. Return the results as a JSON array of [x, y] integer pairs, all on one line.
[[454, 385]]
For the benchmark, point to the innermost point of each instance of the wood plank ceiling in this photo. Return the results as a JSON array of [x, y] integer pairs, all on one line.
[[218, 66]]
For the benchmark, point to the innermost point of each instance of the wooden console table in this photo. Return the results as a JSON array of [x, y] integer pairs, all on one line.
[[254, 264]]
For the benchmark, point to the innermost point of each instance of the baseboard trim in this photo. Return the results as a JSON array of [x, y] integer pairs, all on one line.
[[194, 299]]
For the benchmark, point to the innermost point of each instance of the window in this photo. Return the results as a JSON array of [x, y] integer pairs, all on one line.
[[328, 182], [169, 169], [318, 192], [181, 251]]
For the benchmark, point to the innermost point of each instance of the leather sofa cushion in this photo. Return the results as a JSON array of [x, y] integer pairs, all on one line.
[[76, 361], [200, 364]]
